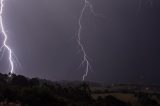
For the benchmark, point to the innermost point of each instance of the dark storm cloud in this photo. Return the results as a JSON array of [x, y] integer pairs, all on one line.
[[123, 46]]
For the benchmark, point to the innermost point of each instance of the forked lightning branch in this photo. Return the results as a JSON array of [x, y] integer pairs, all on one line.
[[6, 47]]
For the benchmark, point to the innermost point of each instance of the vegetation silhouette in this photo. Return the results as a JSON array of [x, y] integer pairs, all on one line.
[[18, 90]]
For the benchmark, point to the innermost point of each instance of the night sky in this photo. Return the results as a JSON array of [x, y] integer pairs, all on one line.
[[123, 46]]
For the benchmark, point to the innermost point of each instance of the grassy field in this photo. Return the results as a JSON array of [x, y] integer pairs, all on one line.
[[126, 97]]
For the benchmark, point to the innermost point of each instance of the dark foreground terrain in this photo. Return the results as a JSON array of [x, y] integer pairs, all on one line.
[[17, 90]]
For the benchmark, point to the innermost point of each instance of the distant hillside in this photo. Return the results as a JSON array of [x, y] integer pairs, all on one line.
[[76, 83], [18, 90]]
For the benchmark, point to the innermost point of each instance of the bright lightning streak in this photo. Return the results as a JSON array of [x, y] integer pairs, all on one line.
[[85, 58], [5, 46]]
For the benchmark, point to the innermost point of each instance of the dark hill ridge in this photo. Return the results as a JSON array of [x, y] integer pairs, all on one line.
[[7, 77], [134, 88], [18, 90]]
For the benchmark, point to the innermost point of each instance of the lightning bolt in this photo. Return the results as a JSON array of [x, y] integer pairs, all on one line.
[[85, 60], [5, 45]]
